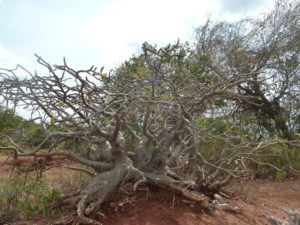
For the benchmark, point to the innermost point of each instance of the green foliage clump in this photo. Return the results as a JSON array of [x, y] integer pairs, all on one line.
[[9, 120], [282, 156], [35, 134], [26, 197], [25, 133]]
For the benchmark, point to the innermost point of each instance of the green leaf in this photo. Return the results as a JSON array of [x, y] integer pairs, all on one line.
[[135, 76], [280, 175], [52, 120], [147, 87], [240, 50], [166, 97]]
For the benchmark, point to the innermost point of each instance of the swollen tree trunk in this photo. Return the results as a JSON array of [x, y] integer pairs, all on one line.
[[98, 190]]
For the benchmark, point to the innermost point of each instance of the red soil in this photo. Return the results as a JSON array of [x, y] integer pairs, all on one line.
[[255, 198], [31, 161]]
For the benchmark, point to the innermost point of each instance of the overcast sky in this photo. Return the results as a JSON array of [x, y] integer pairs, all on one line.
[[104, 32]]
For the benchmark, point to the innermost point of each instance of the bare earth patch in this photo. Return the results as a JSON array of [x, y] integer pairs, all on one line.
[[255, 198]]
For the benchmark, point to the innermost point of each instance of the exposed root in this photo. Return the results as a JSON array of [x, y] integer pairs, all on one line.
[[172, 174], [226, 207], [189, 194], [89, 200], [70, 199], [81, 208], [294, 218], [100, 189], [185, 189], [220, 204], [64, 221], [139, 182], [167, 183]]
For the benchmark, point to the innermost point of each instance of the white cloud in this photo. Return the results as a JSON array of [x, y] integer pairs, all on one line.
[[9, 59], [121, 26], [251, 9], [111, 33]]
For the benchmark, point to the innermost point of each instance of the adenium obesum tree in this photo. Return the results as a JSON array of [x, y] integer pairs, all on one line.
[[146, 123]]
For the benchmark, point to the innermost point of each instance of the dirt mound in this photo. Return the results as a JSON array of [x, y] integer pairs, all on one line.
[[154, 208], [255, 199]]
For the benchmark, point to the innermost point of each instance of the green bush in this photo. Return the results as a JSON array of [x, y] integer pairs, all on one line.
[[25, 196], [219, 135], [281, 156], [8, 120], [35, 134]]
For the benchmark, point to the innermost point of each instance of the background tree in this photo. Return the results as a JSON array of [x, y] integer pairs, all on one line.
[[267, 48]]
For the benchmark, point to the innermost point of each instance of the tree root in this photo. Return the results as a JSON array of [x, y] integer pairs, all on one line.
[[167, 183], [103, 185], [99, 189], [294, 218], [184, 189]]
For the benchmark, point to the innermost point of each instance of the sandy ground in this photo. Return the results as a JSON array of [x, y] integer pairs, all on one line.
[[255, 198]]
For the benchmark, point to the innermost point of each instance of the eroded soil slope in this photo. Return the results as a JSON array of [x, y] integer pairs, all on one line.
[[254, 198]]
